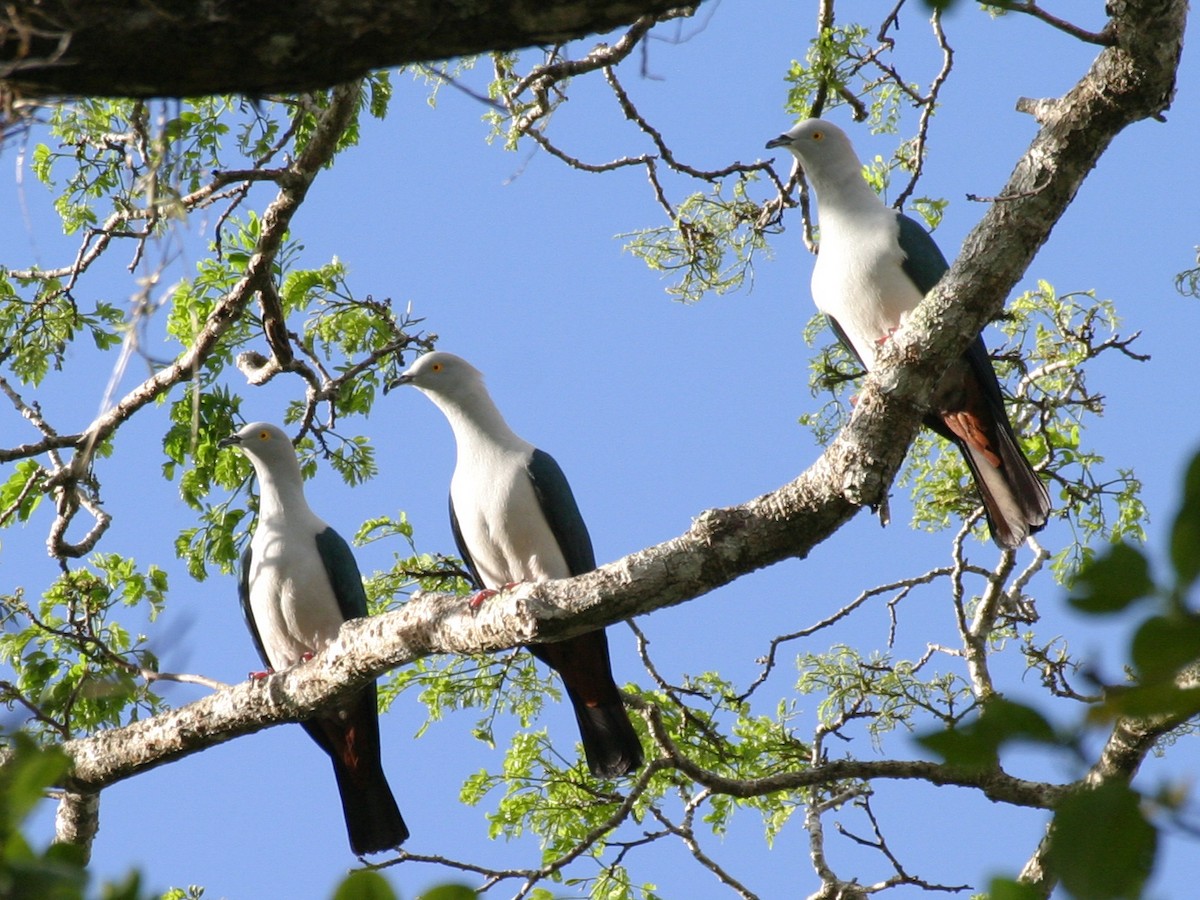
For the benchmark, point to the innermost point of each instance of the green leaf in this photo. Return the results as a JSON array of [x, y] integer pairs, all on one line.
[[27, 773], [42, 161], [977, 744], [1101, 845], [1110, 583], [1007, 889], [1157, 698], [1163, 645], [129, 888], [19, 493], [1185, 534], [364, 884], [449, 892]]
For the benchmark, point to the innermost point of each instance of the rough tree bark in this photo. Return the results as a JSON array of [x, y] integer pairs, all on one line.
[[180, 48]]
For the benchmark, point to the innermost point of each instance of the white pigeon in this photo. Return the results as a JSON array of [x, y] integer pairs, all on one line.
[[299, 583], [873, 267], [515, 519]]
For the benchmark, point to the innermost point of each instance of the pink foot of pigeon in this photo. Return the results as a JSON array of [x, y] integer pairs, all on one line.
[[478, 599]]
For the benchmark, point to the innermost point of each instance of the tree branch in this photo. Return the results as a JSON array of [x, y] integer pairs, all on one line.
[[182, 49], [77, 821], [68, 481]]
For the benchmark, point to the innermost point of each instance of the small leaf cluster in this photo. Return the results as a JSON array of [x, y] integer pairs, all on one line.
[[711, 243], [40, 320], [877, 692], [501, 686], [75, 664], [829, 67]]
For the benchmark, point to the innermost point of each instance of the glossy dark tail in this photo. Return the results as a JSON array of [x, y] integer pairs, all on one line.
[[1014, 498], [351, 738], [610, 744], [373, 820], [968, 409]]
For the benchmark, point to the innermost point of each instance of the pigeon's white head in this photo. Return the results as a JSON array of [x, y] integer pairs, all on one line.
[[456, 388], [824, 151], [441, 374], [264, 443]]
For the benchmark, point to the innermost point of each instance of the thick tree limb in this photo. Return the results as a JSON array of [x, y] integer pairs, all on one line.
[[443, 624], [1130, 81], [77, 821], [181, 48]]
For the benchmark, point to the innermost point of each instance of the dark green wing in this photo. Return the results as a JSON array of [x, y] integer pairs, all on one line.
[[462, 547], [244, 597], [343, 574], [561, 512], [923, 260], [841, 336]]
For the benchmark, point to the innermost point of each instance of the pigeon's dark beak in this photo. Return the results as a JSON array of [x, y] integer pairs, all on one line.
[[777, 142], [230, 441], [398, 381]]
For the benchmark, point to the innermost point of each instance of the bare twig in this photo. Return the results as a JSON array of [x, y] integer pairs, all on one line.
[[1104, 37]]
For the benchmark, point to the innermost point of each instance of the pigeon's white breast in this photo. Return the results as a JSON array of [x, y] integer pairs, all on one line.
[[859, 280], [291, 599], [501, 519]]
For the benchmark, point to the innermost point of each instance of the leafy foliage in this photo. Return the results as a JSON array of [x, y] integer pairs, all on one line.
[[697, 245], [1103, 839], [77, 666], [57, 872]]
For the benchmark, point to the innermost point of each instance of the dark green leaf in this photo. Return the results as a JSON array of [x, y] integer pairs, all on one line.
[[450, 892], [1111, 582], [27, 773], [129, 888], [1160, 698], [962, 747], [1164, 644], [976, 745], [1185, 534], [1101, 845], [1009, 721], [1007, 889], [365, 884]]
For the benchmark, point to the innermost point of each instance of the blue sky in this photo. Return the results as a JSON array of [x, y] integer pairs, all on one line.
[[655, 410]]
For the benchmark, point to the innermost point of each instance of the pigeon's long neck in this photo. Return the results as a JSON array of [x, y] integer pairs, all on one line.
[[843, 195], [281, 492], [476, 421]]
